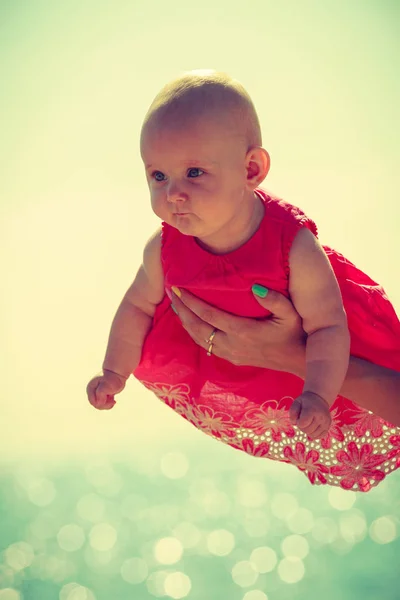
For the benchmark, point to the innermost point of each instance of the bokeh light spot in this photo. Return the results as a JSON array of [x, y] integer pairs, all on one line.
[[132, 505], [28, 473], [97, 560], [9, 594], [101, 474], [255, 595], [75, 591], [383, 530], [177, 585], [251, 493], [103, 537], [340, 546], [341, 499], [134, 570], [155, 519], [52, 567], [291, 569], [168, 551], [71, 537], [200, 486], [264, 559], [155, 583], [220, 542], [301, 521], [256, 523], [19, 556], [216, 503], [41, 492], [283, 505], [244, 574], [325, 530], [353, 527], [44, 527], [91, 508], [187, 533], [295, 545], [174, 465], [6, 576]]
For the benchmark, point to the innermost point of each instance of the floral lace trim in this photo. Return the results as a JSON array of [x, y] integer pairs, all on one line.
[[354, 457]]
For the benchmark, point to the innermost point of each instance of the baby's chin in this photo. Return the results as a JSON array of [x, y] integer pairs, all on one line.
[[186, 224]]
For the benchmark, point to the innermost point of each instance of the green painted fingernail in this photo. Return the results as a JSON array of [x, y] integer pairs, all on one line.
[[174, 309], [259, 290]]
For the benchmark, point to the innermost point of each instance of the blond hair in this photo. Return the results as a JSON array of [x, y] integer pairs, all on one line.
[[206, 94]]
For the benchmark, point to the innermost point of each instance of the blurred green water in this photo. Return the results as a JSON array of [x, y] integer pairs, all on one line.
[[192, 524]]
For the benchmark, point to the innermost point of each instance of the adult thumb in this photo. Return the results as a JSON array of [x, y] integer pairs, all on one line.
[[275, 302]]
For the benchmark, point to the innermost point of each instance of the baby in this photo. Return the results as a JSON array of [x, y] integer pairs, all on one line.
[[201, 146], [221, 233]]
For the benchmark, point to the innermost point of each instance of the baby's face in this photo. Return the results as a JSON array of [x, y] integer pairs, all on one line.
[[196, 176]]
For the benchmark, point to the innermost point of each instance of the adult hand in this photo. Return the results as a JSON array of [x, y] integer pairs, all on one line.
[[277, 342]]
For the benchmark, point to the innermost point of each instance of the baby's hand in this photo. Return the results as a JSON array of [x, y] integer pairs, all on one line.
[[101, 389], [310, 413]]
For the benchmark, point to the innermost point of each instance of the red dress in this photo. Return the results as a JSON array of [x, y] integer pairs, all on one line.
[[247, 407]]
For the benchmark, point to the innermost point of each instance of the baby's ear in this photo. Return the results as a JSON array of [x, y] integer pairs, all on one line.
[[257, 164]]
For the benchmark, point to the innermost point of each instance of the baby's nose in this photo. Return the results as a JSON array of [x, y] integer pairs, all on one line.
[[175, 193]]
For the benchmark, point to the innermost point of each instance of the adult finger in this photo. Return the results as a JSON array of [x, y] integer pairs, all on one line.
[[198, 329], [209, 314], [280, 306]]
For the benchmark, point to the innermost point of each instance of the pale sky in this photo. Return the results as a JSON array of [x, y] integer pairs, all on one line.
[[77, 79]]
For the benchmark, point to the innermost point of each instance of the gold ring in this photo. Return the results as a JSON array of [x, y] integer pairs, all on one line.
[[210, 341], [212, 336]]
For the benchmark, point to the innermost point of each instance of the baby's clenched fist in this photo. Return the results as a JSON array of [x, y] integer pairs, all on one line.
[[310, 413], [102, 387]]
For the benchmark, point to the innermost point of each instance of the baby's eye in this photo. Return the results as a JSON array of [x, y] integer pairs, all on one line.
[[195, 172], [158, 176]]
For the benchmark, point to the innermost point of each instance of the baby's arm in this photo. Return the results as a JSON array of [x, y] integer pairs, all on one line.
[[316, 296], [135, 313]]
